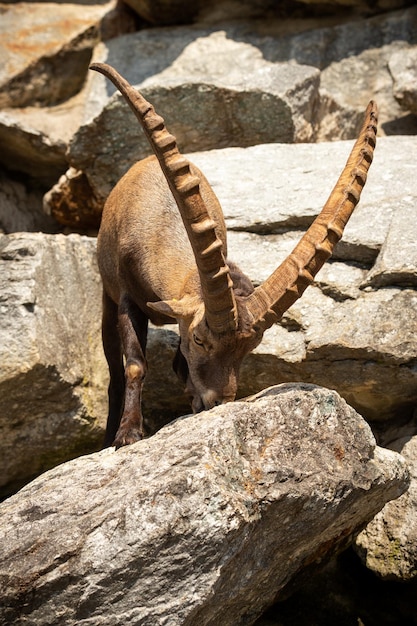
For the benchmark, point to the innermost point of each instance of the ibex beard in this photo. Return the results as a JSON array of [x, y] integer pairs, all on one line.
[[162, 254]]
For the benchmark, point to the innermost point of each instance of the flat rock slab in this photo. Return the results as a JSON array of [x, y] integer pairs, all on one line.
[[268, 189], [365, 348], [205, 523], [397, 262]]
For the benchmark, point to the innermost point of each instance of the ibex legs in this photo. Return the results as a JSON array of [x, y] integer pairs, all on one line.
[[124, 333]]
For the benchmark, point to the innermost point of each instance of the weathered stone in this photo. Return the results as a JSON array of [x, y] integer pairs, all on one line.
[[402, 66], [21, 208], [272, 102], [205, 523], [321, 47], [52, 375], [364, 348], [35, 139], [342, 105], [46, 48], [163, 12], [269, 189], [397, 261], [354, 58], [259, 255], [27, 149], [388, 545]]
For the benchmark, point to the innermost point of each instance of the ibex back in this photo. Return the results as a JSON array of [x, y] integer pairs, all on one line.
[[162, 255]]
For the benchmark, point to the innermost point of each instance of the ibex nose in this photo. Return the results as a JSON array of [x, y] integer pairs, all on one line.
[[211, 398]]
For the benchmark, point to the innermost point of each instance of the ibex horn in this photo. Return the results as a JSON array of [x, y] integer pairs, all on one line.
[[216, 283], [270, 300]]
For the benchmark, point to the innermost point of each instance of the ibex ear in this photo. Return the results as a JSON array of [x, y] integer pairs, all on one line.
[[186, 307]]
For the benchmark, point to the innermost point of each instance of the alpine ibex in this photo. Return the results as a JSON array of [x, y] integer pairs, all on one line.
[[156, 266]]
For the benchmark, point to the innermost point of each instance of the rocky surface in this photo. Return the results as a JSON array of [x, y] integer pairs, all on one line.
[[40, 40], [388, 545], [52, 376], [266, 74], [205, 523], [296, 87], [326, 337]]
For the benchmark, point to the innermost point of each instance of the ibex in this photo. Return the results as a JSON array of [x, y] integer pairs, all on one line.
[[162, 255]]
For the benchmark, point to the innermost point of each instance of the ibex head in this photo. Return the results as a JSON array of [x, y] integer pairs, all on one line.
[[220, 314]]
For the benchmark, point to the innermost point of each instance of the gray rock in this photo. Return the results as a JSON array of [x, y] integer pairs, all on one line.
[[52, 375], [205, 523], [388, 545], [192, 78], [364, 348], [402, 66], [35, 139], [324, 46], [354, 61], [269, 189], [46, 50], [397, 262], [342, 106]]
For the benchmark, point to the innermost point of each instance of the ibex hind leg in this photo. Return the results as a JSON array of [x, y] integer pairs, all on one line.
[[112, 346], [133, 330]]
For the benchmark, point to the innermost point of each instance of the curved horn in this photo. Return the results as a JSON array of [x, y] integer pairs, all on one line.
[[270, 300], [216, 283]]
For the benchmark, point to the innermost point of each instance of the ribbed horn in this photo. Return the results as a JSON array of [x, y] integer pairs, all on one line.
[[270, 300], [216, 283]]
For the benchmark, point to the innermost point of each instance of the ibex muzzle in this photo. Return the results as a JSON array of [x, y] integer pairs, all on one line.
[[162, 255]]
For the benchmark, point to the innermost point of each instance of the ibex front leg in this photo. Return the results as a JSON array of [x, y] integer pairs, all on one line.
[[133, 328], [113, 350]]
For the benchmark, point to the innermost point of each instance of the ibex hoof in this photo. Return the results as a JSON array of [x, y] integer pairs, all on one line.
[[125, 438]]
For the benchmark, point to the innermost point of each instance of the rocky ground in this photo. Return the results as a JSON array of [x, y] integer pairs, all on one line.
[[266, 103]]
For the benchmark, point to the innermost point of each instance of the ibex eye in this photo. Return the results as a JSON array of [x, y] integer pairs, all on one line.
[[197, 340]]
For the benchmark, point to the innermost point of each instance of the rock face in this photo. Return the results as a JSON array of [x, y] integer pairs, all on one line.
[[295, 88], [163, 12], [245, 74], [275, 105], [326, 337], [52, 375], [51, 40], [388, 545], [205, 523]]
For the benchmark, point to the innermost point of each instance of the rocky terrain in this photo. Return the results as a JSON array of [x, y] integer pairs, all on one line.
[[266, 102]]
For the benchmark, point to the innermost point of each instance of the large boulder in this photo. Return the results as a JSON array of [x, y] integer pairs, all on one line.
[[192, 78], [52, 375], [296, 87], [205, 523]]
